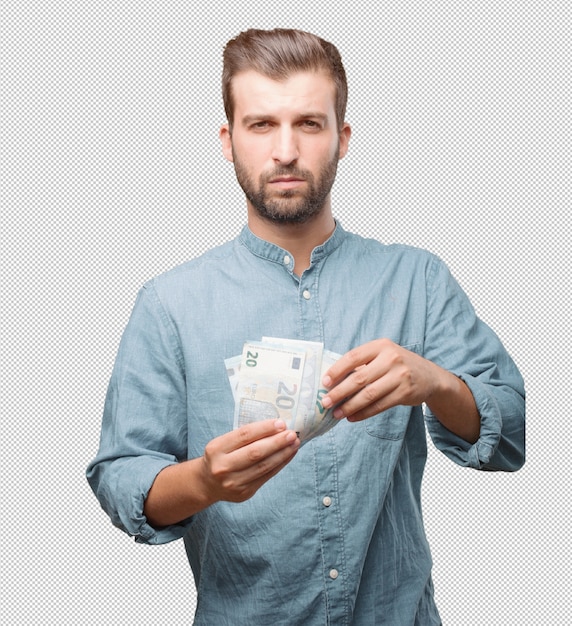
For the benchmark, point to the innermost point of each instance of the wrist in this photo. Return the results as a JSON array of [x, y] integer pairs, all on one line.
[[443, 385], [452, 403]]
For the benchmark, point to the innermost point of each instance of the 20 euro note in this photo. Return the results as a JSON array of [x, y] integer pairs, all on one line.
[[269, 384], [323, 418], [308, 415], [305, 416]]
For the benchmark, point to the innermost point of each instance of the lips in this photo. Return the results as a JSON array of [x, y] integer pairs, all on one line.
[[286, 179], [286, 183]]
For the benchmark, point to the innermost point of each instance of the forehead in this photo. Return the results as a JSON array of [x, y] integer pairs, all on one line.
[[300, 92]]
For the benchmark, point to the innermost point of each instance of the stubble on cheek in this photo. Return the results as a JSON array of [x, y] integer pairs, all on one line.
[[287, 205]]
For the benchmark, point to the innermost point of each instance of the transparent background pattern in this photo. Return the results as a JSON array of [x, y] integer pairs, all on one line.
[[112, 173]]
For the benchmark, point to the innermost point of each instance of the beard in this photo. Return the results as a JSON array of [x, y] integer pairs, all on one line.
[[287, 206]]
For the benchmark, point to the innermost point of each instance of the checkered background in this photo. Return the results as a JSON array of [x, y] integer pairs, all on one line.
[[112, 173]]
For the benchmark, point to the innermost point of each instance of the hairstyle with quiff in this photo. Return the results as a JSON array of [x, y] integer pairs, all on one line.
[[277, 54]]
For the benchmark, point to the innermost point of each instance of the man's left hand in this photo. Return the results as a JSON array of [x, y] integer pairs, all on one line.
[[377, 376]]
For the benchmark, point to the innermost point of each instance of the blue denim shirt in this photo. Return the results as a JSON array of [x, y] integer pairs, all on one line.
[[337, 537]]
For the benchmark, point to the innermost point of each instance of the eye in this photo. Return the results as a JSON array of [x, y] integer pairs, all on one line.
[[311, 125], [261, 125]]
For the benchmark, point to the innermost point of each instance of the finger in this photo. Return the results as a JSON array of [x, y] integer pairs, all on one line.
[[245, 486], [370, 401], [349, 362], [379, 406], [262, 454], [240, 485], [362, 378], [264, 469], [350, 385], [248, 433]]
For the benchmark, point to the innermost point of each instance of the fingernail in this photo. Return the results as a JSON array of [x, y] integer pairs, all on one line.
[[280, 424], [291, 437], [326, 402], [338, 413], [327, 380]]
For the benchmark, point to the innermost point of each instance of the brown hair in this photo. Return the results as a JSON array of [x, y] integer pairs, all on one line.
[[277, 54]]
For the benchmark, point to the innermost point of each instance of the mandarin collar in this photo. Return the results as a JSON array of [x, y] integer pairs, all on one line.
[[272, 252]]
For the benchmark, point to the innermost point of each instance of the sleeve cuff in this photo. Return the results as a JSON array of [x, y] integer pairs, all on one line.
[[129, 516], [479, 454]]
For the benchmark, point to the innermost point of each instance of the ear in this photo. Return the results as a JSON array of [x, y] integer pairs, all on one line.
[[345, 135], [226, 142]]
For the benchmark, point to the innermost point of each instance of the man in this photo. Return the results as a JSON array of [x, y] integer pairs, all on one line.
[[330, 533]]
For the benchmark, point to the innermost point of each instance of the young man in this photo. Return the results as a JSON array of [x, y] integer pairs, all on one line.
[[330, 533]]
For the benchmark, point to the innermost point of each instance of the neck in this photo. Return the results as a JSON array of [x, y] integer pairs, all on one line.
[[298, 239]]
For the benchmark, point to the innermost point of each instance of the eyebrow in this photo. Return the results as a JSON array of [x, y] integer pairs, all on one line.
[[263, 117]]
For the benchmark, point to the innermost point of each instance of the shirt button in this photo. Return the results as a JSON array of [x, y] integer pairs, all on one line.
[[326, 501], [334, 574], [286, 260], [307, 295]]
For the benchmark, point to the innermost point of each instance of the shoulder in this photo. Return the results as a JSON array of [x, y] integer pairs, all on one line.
[[200, 269], [357, 245]]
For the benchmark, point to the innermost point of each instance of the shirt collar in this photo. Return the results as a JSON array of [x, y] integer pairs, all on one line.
[[272, 252]]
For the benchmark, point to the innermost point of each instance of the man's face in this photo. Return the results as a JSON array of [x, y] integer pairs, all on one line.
[[285, 144]]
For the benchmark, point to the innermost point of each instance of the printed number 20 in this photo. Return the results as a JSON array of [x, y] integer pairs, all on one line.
[[251, 359], [285, 401]]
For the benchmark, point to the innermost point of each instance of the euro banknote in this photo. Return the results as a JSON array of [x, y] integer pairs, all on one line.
[[281, 378]]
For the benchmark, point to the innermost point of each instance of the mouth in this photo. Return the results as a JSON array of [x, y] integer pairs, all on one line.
[[286, 182]]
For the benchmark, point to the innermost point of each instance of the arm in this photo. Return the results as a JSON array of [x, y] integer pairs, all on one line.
[[460, 354], [381, 374], [140, 475], [144, 425], [233, 467]]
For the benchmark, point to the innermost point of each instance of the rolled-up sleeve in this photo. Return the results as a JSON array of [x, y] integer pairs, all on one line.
[[458, 341], [144, 426]]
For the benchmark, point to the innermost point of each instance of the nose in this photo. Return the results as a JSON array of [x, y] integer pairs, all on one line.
[[285, 146]]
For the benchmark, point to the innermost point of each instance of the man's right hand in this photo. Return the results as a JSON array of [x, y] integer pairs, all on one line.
[[234, 466], [238, 463]]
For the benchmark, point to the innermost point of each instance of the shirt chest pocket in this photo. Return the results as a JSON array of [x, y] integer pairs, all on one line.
[[391, 424]]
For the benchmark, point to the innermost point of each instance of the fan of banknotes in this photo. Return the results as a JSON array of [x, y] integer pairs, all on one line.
[[281, 379]]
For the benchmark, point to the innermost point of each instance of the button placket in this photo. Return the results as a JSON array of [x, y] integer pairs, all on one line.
[[334, 562], [311, 322]]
